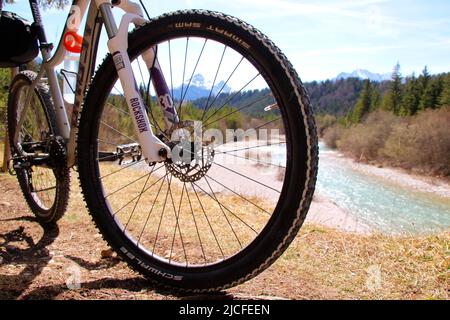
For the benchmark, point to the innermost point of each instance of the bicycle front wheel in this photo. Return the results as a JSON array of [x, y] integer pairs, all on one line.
[[230, 208]]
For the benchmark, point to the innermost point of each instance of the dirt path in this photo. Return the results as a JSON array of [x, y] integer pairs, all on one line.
[[320, 264]]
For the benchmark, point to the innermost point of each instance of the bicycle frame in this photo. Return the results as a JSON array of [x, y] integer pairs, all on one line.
[[151, 146]]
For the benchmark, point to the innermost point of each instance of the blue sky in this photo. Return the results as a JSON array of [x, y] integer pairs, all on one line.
[[324, 38]]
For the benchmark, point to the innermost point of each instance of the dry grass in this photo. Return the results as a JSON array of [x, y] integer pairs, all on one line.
[[321, 263], [182, 222], [370, 267]]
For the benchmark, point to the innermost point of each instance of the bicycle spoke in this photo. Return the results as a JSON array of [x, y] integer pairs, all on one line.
[[111, 156], [214, 197], [117, 131], [231, 98], [192, 75], [27, 132], [225, 83], [152, 207], [131, 201], [237, 110], [255, 160], [248, 148], [177, 226], [108, 142], [130, 183], [207, 219], [195, 223], [148, 104], [125, 167], [171, 77], [239, 195], [140, 71], [45, 189], [118, 91], [169, 181], [243, 175], [184, 73], [258, 127], [147, 98], [137, 202], [118, 109], [214, 82]]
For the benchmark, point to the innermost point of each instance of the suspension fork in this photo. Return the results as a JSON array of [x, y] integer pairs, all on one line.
[[164, 96], [165, 101], [153, 149]]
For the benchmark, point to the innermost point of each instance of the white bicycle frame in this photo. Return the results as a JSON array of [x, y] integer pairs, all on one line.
[[151, 146]]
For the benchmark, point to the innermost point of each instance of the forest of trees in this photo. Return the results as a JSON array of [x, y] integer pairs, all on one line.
[[334, 97], [404, 122], [327, 97], [403, 97]]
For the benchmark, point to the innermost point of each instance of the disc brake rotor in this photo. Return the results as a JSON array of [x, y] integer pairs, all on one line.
[[190, 161]]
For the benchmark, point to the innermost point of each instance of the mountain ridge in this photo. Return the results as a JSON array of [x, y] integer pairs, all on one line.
[[197, 87], [200, 88], [364, 74]]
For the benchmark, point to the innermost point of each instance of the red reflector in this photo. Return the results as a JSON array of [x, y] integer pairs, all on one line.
[[73, 41]]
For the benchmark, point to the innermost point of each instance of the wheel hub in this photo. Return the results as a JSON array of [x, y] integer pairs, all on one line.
[[190, 161]]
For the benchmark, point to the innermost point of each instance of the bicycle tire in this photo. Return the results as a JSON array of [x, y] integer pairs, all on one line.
[[62, 176], [283, 226]]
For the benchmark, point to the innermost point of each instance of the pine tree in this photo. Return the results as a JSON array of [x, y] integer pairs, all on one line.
[[375, 99], [410, 101], [387, 103], [363, 104], [444, 99], [431, 96], [393, 97], [423, 80]]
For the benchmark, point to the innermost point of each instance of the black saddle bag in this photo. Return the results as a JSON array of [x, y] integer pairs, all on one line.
[[18, 39]]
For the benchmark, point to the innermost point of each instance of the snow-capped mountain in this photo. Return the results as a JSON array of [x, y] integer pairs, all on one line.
[[199, 88], [364, 74]]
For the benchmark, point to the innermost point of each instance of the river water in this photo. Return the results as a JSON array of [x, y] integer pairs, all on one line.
[[381, 204]]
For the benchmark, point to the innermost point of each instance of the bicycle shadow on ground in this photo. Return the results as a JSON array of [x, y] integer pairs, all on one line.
[[134, 287], [17, 249], [20, 250]]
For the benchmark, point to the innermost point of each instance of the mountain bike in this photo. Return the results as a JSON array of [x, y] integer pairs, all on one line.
[[182, 205]]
